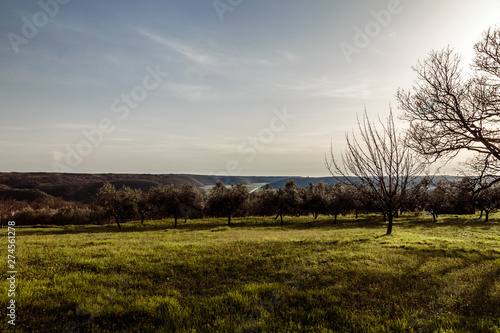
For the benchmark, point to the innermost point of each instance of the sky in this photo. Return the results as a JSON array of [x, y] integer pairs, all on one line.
[[224, 87]]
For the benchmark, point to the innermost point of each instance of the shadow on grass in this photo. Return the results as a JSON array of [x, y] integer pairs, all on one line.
[[371, 221], [302, 223]]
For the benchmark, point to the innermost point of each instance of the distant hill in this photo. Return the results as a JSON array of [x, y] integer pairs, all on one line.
[[82, 187], [303, 181]]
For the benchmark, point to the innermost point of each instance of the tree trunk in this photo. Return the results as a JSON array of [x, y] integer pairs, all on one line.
[[281, 217], [389, 227], [316, 215], [486, 215], [175, 223], [118, 222], [434, 216], [335, 218], [356, 212], [229, 219], [385, 217], [142, 219], [480, 216]]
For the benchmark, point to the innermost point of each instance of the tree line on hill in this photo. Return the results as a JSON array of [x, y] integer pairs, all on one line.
[[189, 202]]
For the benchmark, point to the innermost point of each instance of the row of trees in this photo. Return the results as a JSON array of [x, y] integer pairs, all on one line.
[[161, 202], [226, 201], [188, 201]]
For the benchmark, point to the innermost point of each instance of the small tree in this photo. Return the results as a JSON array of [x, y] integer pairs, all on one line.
[[191, 200], [488, 200], [165, 201], [437, 199], [287, 201], [338, 200], [381, 162], [263, 201], [358, 201], [144, 206], [120, 204], [461, 196], [223, 201], [316, 199], [417, 194]]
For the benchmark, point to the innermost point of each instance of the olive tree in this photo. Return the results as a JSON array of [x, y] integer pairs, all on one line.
[[287, 201], [191, 201], [488, 200], [120, 204], [339, 200], [436, 200], [144, 206], [316, 199], [226, 201], [262, 203], [165, 201]]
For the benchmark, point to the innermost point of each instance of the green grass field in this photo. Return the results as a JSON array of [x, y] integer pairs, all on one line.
[[308, 276]]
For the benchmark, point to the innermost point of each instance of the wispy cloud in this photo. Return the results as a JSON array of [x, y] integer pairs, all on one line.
[[328, 88], [216, 56], [190, 52], [190, 92], [290, 56]]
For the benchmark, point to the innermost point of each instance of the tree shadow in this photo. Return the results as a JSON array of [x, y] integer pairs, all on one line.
[[290, 223]]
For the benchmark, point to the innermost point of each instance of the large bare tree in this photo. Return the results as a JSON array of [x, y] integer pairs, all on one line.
[[380, 163], [451, 110]]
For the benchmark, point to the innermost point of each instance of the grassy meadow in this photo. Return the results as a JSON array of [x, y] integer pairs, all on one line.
[[257, 276]]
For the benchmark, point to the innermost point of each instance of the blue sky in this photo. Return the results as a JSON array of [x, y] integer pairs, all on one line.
[[258, 88]]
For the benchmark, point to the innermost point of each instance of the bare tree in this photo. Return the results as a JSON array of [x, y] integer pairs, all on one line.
[[450, 110], [381, 162]]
